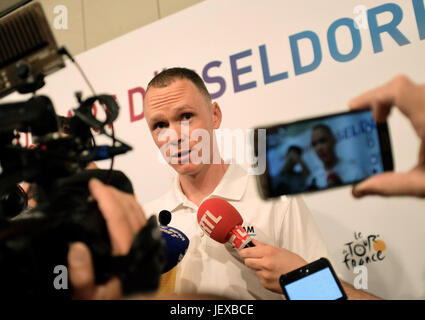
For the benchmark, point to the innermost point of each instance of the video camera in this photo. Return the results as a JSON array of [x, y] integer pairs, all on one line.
[[31, 247]]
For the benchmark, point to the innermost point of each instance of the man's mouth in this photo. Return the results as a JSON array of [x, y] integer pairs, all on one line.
[[181, 154]]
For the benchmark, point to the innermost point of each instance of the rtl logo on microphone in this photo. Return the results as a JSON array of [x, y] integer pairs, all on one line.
[[240, 238], [209, 225]]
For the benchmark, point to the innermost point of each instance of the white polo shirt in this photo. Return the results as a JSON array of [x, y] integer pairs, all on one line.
[[212, 267]]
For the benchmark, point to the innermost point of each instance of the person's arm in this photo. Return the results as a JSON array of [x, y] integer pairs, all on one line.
[[354, 294], [270, 262], [289, 164], [410, 99], [124, 218]]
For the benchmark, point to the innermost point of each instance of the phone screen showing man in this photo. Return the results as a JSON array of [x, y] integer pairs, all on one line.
[[324, 152]]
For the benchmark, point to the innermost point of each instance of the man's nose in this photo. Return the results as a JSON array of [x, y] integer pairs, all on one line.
[[318, 148], [175, 136], [181, 132]]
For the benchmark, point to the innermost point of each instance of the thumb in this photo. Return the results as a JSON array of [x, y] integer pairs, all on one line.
[[393, 184], [81, 271], [252, 251]]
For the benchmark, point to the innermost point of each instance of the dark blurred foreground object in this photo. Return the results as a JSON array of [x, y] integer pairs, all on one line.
[[34, 245]]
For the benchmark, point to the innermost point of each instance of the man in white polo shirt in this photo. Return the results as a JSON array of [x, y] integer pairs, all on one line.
[[177, 101]]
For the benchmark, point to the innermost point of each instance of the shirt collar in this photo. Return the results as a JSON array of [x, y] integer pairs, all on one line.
[[233, 184], [231, 187]]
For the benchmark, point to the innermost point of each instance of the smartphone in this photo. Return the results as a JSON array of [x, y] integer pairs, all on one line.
[[324, 152], [315, 281]]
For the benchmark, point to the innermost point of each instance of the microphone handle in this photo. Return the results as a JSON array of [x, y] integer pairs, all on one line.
[[240, 238], [249, 245]]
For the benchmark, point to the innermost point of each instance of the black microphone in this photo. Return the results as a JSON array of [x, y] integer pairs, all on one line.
[[164, 217], [176, 242]]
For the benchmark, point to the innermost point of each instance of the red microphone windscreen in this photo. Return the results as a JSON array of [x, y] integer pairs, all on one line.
[[217, 217]]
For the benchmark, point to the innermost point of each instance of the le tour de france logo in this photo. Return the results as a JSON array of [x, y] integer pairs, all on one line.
[[363, 250]]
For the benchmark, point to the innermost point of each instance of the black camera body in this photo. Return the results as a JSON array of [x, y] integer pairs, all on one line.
[[34, 245]]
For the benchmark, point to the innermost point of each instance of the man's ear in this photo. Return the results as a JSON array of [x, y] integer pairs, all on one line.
[[217, 115]]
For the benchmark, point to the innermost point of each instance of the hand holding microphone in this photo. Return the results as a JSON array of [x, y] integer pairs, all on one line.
[[223, 223], [270, 262]]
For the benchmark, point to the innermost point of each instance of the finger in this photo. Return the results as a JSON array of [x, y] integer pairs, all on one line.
[[366, 99], [104, 196], [393, 184], [253, 263], [120, 231], [134, 212], [269, 281], [380, 100], [81, 272], [25, 186], [253, 252], [141, 213], [258, 243], [421, 156], [381, 110], [111, 290], [266, 278], [400, 91], [126, 203]]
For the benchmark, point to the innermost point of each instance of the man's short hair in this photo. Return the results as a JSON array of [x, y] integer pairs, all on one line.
[[168, 76], [295, 148], [325, 128]]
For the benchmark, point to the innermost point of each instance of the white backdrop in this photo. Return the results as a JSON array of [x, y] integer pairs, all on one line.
[[216, 30]]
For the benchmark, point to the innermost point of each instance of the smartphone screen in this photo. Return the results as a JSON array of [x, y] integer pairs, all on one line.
[[320, 285], [314, 281], [325, 152]]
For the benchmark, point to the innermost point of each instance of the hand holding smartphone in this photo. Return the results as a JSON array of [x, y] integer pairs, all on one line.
[[324, 152]]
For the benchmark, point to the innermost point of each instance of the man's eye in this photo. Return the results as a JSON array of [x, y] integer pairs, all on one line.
[[187, 116], [159, 125]]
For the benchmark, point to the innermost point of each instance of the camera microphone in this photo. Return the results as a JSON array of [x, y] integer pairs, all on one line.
[[164, 217], [176, 242]]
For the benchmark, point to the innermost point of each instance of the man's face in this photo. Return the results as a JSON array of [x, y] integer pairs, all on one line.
[[172, 114], [323, 144], [293, 156]]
